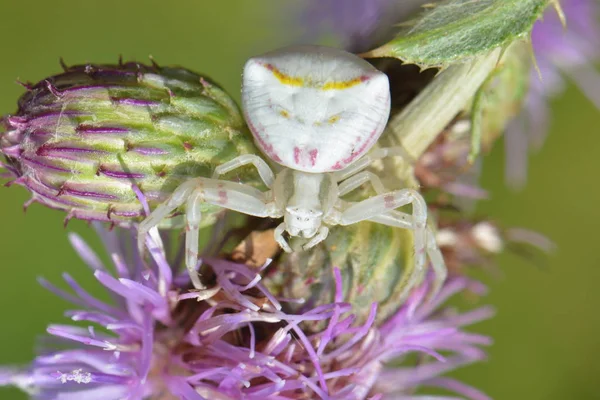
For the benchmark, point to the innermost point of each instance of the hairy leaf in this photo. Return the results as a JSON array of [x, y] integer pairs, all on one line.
[[455, 30]]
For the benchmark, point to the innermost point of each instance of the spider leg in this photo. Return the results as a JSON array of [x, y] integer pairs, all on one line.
[[178, 197], [318, 238], [373, 156], [280, 239], [357, 180], [381, 208], [437, 262], [265, 172], [193, 217], [392, 218], [405, 221], [384, 203], [229, 195]]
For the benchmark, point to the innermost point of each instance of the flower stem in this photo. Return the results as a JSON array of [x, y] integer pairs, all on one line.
[[417, 126]]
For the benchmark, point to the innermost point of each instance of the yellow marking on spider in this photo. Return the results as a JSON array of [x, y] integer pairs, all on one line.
[[341, 85], [333, 119], [283, 78], [284, 114], [308, 82]]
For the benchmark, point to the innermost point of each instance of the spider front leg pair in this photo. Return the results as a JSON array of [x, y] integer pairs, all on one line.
[[381, 209], [230, 195]]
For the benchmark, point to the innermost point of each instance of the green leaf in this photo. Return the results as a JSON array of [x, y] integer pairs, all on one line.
[[500, 97], [455, 30]]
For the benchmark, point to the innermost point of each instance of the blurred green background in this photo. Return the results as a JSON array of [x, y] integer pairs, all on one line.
[[547, 329]]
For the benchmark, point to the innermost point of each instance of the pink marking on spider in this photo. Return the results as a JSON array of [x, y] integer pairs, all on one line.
[[313, 156], [300, 156], [369, 142], [223, 197], [389, 200], [189, 252], [267, 148], [297, 152]]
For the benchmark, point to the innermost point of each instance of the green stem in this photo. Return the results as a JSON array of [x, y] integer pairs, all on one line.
[[417, 126]]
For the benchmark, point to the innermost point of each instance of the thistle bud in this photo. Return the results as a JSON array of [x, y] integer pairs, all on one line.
[[83, 140], [375, 263]]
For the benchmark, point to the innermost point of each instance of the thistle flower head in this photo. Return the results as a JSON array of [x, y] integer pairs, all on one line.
[[444, 166], [236, 339], [356, 25], [467, 242], [81, 139]]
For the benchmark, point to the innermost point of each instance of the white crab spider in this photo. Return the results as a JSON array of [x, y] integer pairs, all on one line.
[[316, 111]]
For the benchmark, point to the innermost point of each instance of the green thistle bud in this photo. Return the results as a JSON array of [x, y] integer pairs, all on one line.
[[82, 140], [375, 262]]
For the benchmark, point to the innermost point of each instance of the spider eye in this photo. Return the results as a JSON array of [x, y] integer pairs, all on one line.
[[306, 219]]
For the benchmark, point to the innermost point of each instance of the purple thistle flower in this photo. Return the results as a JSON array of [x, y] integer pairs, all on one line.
[[157, 340], [560, 53], [356, 25], [444, 165], [475, 242]]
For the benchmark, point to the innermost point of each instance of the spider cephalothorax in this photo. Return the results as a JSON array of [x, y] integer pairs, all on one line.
[[315, 111]]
